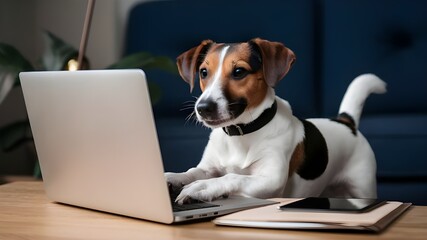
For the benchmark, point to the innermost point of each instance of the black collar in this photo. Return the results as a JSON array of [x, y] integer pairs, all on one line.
[[261, 121]]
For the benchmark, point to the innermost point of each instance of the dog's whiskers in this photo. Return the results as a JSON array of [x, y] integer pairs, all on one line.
[[188, 105], [189, 117], [186, 108]]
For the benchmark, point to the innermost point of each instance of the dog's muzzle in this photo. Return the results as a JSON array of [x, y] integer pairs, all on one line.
[[212, 114], [207, 109]]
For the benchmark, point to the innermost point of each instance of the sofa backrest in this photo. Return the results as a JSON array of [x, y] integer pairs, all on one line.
[[334, 42], [388, 38]]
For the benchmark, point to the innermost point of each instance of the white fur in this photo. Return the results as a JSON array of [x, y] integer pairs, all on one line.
[[358, 91], [257, 164], [213, 90]]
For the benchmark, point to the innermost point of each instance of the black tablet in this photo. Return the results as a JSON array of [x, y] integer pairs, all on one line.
[[333, 204]]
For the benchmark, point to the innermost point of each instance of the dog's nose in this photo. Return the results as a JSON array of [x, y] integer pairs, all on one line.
[[207, 109]]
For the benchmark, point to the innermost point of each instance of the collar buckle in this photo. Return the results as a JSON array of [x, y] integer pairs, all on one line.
[[239, 129]]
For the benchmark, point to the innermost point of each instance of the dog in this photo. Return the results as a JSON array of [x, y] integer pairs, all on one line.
[[257, 147]]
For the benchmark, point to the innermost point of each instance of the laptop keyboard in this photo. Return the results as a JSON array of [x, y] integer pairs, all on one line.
[[191, 204]]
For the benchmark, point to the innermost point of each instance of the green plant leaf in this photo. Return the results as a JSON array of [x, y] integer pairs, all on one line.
[[7, 81], [11, 63], [57, 52], [14, 134], [146, 61], [37, 173], [162, 63], [132, 61], [155, 92], [12, 59]]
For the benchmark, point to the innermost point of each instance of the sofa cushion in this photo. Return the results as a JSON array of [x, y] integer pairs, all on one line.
[[399, 143], [401, 190]]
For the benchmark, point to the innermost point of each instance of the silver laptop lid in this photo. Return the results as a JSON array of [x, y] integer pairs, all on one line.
[[96, 141]]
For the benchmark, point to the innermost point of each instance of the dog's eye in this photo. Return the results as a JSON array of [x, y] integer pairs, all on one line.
[[239, 73], [203, 73]]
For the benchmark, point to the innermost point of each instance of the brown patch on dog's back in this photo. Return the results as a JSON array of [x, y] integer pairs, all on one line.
[[346, 119], [296, 159]]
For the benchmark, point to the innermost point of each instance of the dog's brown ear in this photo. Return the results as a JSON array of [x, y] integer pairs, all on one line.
[[276, 60], [189, 61]]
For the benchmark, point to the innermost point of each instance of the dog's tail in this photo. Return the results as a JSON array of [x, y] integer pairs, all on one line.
[[360, 88]]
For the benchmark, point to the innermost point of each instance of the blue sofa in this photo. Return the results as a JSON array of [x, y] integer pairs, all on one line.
[[334, 41]]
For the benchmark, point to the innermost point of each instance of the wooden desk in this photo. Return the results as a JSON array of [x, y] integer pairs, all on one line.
[[26, 213]]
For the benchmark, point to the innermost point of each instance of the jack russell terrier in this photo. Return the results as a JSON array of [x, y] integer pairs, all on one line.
[[257, 147]]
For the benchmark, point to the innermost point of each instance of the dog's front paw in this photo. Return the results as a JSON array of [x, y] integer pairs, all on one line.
[[203, 190], [177, 180]]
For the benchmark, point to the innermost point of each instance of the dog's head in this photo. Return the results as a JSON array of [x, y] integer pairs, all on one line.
[[234, 78]]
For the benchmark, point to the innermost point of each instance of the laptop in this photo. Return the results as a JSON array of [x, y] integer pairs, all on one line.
[[97, 145]]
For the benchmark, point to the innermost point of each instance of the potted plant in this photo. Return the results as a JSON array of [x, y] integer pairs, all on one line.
[[57, 56]]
